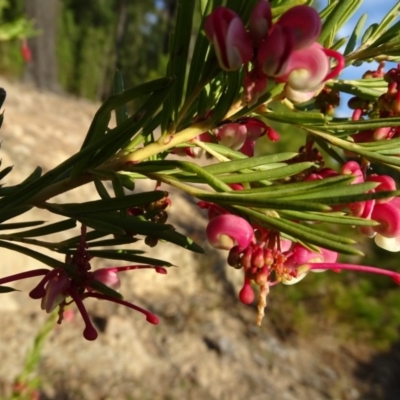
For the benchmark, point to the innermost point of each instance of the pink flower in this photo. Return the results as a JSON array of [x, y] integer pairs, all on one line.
[[302, 256], [303, 23], [260, 21], [61, 286], [388, 233], [108, 276], [227, 230], [306, 70], [231, 42], [232, 135]]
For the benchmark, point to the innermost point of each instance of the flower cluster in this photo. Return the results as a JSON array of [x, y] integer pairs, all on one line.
[[286, 50], [385, 211], [62, 286], [388, 105], [268, 259], [240, 135]]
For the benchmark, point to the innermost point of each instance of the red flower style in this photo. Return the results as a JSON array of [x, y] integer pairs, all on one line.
[[60, 287]]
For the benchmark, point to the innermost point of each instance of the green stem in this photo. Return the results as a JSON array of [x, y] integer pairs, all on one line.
[[175, 183], [214, 153]]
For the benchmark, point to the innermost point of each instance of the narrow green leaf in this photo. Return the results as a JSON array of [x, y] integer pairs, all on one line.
[[73, 242], [128, 225], [120, 136], [111, 204], [369, 33], [378, 36], [352, 87], [113, 242], [338, 218], [299, 187], [121, 113], [342, 11], [199, 53], [7, 289], [128, 255], [102, 226], [279, 10], [212, 180], [247, 163], [232, 88], [100, 121], [18, 225], [334, 195], [5, 172], [102, 288], [355, 34], [339, 43], [48, 229], [180, 240], [3, 96], [330, 151], [179, 52], [101, 189], [299, 117], [261, 201], [126, 181], [297, 231], [276, 173], [13, 212]]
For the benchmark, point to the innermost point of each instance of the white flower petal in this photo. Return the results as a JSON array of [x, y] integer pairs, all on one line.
[[389, 244]]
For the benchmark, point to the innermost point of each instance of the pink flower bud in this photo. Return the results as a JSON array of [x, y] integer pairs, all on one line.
[[231, 42], [246, 259], [303, 255], [304, 23], [273, 135], [228, 230], [274, 51], [232, 135], [306, 69], [246, 294], [255, 128], [382, 133], [56, 292], [389, 218], [248, 148], [353, 168], [257, 259], [260, 21], [108, 276], [386, 183]]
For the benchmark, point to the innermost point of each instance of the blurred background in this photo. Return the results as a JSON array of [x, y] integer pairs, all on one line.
[[332, 336]]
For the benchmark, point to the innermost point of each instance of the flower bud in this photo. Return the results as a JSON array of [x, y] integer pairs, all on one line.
[[260, 21], [232, 135], [231, 42], [108, 276], [228, 230]]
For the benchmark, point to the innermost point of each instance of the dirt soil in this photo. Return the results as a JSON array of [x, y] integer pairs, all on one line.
[[206, 345]]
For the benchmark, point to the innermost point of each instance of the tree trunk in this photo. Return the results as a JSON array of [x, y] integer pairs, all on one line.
[[42, 70]]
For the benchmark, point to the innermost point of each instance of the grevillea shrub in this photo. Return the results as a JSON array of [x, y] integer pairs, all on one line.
[[255, 71]]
